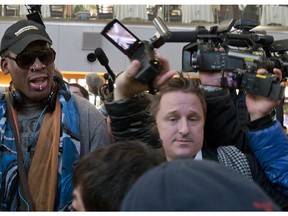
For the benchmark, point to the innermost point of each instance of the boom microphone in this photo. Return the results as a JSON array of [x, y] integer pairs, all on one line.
[[94, 82], [102, 58], [183, 36], [105, 62]]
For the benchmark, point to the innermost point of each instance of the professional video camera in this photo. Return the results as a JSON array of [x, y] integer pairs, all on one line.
[[244, 52], [278, 50], [141, 50]]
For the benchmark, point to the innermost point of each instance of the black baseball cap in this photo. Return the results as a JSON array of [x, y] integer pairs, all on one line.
[[21, 34]]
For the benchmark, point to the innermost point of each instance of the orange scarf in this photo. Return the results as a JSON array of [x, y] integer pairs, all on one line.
[[42, 178]]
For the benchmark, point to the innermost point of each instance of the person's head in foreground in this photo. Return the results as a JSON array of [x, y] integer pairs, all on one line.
[[192, 185], [102, 178]]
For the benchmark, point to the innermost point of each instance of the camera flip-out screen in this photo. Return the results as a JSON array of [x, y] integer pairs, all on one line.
[[120, 36]]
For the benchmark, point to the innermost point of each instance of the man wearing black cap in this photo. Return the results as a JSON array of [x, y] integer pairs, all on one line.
[[44, 129]]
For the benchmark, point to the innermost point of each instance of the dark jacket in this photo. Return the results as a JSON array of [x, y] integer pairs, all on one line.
[[130, 119]]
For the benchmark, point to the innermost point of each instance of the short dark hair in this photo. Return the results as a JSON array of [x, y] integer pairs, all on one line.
[[180, 84], [106, 175], [84, 92]]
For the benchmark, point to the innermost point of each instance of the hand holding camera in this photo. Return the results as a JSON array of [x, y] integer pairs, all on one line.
[[136, 49], [127, 86]]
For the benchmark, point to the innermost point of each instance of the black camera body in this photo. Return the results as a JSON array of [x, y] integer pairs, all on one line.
[[136, 49], [245, 52], [264, 85], [202, 55], [278, 54], [150, 66], [194, 59]]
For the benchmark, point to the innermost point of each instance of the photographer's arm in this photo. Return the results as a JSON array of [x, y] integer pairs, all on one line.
[[127, 86], [221, 126], [128, 105], [267, 138]]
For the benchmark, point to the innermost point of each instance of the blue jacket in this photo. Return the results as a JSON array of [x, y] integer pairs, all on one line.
[[272, 153]]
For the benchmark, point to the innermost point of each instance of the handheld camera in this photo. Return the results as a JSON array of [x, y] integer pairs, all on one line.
[[136, 49]]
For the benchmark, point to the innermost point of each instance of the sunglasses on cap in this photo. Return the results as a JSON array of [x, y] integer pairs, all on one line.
[[25, 60]]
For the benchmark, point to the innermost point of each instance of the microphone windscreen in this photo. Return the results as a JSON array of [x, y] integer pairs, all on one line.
[[94, 82], [91, 57], [101, 56]]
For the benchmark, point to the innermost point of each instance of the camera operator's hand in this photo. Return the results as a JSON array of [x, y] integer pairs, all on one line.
[[211, 78], [259, 106], [127, 86]]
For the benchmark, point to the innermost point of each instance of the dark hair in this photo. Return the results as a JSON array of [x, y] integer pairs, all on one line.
[[180, 84], [84, 92], [106, 175]]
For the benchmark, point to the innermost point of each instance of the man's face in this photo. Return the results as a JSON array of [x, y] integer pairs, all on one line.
[[77, 202], [75, 90], [34, 84], [180, 122]]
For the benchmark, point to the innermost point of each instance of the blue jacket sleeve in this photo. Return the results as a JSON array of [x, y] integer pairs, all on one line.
[[270, 146]]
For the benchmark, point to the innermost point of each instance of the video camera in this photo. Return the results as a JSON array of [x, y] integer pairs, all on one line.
[[244, 52], [135, 48]]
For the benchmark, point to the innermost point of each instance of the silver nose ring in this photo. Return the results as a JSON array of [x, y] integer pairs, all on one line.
[[33, 69]]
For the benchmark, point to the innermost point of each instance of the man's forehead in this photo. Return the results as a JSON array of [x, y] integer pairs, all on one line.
[[179, 95], [180, 99]]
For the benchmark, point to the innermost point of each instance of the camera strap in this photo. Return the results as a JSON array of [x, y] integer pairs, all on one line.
[[223, 80]]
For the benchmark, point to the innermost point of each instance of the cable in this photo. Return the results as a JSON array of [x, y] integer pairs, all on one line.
[[28, 207]]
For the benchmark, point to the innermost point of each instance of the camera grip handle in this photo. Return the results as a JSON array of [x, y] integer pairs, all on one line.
[[261, 85]]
